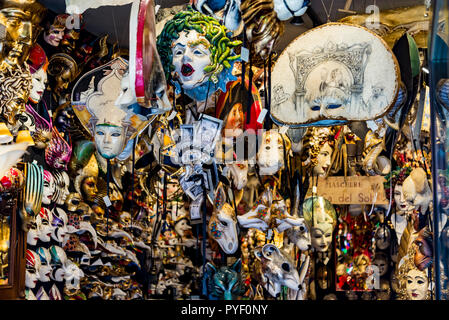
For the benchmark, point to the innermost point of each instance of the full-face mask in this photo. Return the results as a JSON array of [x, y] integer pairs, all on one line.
[[224, 283], [33, 233], [58, 261], [381, 261], [33, 265], [59, 224], [223, 224], [321, 218], [62, 182], [277, 269], [417, 191], [383, 237], [187, 55], [49, 188], [44, 226], [45, 269], [274, 148], [38, 64]]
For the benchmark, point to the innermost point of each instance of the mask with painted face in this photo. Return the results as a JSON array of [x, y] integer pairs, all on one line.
[[54, 32], [273, 148], [188, 54], [45, 269], [57, 262], [49, 188], [59, 224], [321, 218], [318, 147], [223, 223], [33, 265], [38, 64], [33, 233], [224, 283], [62, 182], [44, 226]]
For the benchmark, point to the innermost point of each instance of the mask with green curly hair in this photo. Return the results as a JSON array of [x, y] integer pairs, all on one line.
[[197, 53]]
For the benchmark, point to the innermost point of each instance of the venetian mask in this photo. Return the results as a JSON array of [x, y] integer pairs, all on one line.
[[44, 226], [19, 20], [58, 152], [277, 269], [272, 150], [383, 237], [49, 188], [381, 261], [239, 174], [62, 182], [33, 265], [38, 64], [62, 70], [323, 160], [416, 190], [417, 284], [72, 202], [14, 94], [109, 140], [59, 224], [89, 188], [223, 223], [55, 33], [72, 276], [188, 53], [45, 269], [402, 206], [58, 260], [181, 226], [321, 217], [300, 236], [32, 234], [224, 283]]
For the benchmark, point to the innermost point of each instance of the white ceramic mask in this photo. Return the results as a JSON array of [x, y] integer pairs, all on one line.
[[38, 82], [190, 59], [109, 139]]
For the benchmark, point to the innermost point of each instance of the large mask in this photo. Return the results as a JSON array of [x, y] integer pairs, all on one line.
[[195, 51], [38, 64], [93, 100], [19, 21], [225, 282], [223, 224], [33, 265], [45, 269], [321, 218], [274, 149], [413, 283]]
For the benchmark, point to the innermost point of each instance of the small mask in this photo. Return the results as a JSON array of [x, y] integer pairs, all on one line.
[[225, 282], [270, 156]]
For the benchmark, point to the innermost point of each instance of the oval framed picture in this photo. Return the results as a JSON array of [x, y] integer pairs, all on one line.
[[332, 74]]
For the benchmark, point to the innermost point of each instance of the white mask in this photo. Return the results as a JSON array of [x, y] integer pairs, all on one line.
[[33, 265], [322, 236], [270, 156], [402, 206], [44, 226], [190, 60], [49, 190], [416, 285], [45, 269], [109, 139], [38, 81], [126, 97]]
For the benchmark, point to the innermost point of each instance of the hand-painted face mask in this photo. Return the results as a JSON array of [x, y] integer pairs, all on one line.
[[58, 260], [224, 283], [321, 217], [72, 202], [381, 261], [55, 32], [33, 233], [62, 182], [44, 226], [38, 64], [223, 224], [188, 52], [323, 160], [277, 269], [402, 206], [49, 188], [33, 265], [59, 224], [272, 151], [58, 153], [45, 269], [417, 285]]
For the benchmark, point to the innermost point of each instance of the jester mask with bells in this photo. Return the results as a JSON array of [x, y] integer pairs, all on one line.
[[223, 224], [270, 211], [197, 54], [278, 270], [93, 100], [273, 152]]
